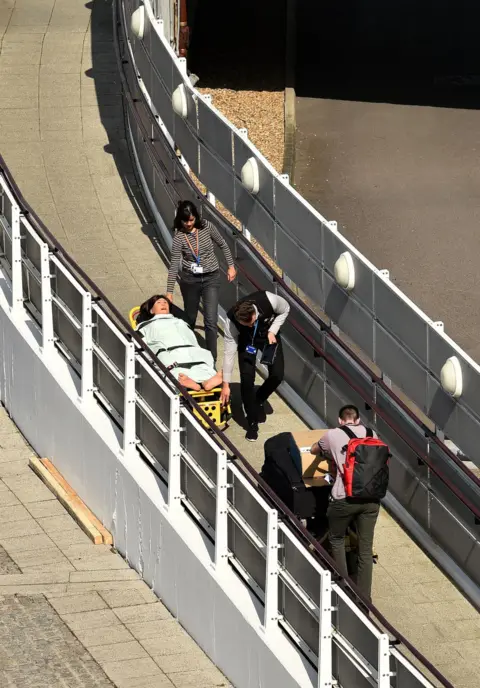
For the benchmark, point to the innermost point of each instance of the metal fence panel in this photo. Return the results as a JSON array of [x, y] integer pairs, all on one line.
[[69, 335], [197, 493], [298, 617], [31, 248], [163, 62], [152, 437], [7, 209], [162, 101], [297, 264], [346, 672], [106, 339], [32, 291], [292, 558], [66, 292], [215, 133], [247, 506], [353, 629], [108, 385], [251, 559], [148, 388], [200, 448]]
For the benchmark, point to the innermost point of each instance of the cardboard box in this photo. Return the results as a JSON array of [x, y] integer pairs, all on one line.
[[314, 468]]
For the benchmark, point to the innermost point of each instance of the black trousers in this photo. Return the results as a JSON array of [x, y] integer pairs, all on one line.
[[205, 287], [341, 514], [246, 364]]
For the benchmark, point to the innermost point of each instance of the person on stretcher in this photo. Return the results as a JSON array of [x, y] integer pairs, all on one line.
[[176, 345]]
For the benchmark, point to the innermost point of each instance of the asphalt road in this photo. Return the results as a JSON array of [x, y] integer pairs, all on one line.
[[388, 142]]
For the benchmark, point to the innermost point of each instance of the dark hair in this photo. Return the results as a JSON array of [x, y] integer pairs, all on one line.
[[185, 210], [243, 311], [144, 313], [349, 412]]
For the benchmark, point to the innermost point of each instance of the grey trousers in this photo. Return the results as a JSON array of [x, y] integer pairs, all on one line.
[[341, 514]]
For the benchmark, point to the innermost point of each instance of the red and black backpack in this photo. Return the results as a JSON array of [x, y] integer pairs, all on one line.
[[365, 473]]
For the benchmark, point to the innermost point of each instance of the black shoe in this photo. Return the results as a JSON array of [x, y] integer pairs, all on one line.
[[252, 432], [261, 414]]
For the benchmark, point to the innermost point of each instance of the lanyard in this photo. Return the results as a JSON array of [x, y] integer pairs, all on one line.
[[197, 254], [255, 330]]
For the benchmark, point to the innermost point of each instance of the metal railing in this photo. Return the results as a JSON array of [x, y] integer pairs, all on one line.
[[251, 529], [427, 480], [408, 347]]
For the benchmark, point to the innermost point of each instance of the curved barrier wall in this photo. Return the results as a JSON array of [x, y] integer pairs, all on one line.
[[428, 484], [408, 347], [185, 507]]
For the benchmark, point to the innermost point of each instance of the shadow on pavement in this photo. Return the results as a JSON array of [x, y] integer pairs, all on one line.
[[413, 52], [108, 88]]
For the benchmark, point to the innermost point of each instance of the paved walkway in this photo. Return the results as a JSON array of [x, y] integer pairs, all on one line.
[[62, 134]]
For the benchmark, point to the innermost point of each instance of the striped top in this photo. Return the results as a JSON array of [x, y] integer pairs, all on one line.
[[182, 253]]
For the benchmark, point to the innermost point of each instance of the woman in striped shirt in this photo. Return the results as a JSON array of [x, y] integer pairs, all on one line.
[[194, 257]]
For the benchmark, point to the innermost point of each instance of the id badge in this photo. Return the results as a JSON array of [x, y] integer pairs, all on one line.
[[196, 269], [251, 350]]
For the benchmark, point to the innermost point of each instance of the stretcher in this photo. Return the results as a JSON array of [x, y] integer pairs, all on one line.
[[209, 402]]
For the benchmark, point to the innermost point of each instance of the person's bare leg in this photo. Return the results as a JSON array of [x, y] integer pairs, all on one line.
[[189, 383], [213, 382]]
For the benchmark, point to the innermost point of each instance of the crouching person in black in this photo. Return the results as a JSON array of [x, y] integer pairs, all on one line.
[[251, 324]]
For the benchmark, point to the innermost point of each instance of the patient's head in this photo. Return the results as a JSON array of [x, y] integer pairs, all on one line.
[[155, 305]]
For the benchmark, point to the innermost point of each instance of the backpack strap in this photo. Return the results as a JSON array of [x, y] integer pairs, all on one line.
[[350, 434], [369, 432]]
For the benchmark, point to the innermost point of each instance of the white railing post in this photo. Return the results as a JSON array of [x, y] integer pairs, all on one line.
[[271, 578], [174, 455], [47, 311], [325, 632], [383, 661], [87, 348], [17, 277], [129, 399], [221, 512]]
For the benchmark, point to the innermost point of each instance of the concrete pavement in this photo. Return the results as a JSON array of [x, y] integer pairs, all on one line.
[[62, 134]]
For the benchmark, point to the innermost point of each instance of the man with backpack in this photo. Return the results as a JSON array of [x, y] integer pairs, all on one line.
[[360, 465]]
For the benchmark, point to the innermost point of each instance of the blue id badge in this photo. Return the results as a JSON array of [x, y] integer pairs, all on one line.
[[251, 350]]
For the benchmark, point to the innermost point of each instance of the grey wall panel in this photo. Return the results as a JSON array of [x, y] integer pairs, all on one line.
[[186, 139], [256, 277], [32, 290], [410, 432], [456, 506], [398, 317], [333, 247], [218, 178], [457, 422], [298, 374], [297, 265], [147, 387], [346, 672], [454, 474], [439, 351], [143, 64], [67, 333], [401, 366], [292, 213], [403, 484], [302, 346], [145, 161], [67, 292], [31, 248], [255, 218], [333, 402], [344, 391], [450, 533], [108, 385], [400, 449], [162, 61], [216, 135], [348, 366], [201, 450], [315, 396], [162, 101], [354, 320], [109, 343], [242, 152], [164, 202]]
